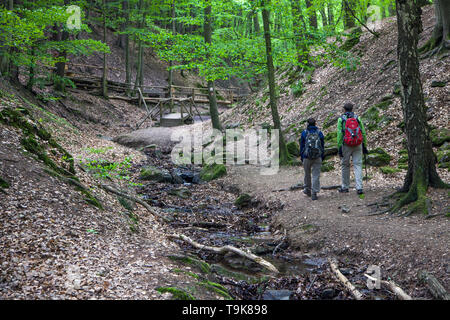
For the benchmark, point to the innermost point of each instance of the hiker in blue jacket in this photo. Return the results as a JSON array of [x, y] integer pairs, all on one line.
[[312, 145]]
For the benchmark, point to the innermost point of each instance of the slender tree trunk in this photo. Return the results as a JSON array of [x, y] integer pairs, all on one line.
[[330, 14], [324, 17], [31, 71], [256, 26], [391, 9], [311, 14], [272, 89], [170, 80], [299, 32], [421, 160], [213, 110], [105, 65], [127, 48], [140, 63], [349, 21]]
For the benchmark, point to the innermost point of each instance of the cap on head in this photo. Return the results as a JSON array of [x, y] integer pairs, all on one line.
[[348, 106], [311, 122]]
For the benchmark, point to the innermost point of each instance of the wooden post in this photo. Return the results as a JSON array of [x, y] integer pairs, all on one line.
[[232, 97], [160, 112], [193, 94]]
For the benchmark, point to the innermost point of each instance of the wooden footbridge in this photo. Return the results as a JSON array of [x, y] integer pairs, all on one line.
[[171, 105]]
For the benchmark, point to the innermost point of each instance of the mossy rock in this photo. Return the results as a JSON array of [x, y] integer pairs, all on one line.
[[397, 89], [4, 184], [389, 170], [378, 158], [150, 173], [331, 149], [243, 200], [293, 148], [213, 171], [200, 265], [384, 105], [183, 193], [439, 136], [327, 167], [443, 157], [177, 293]]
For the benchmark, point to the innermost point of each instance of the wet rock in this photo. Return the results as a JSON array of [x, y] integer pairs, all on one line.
[[244, 200], [345, 209], [438, 84], [151, 173], [277, 295], [328, 294], [183, 193]]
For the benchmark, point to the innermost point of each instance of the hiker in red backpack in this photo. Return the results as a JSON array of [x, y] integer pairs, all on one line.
[[352, 142]]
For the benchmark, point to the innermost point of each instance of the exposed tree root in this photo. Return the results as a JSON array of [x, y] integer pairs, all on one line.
[[225, 249]]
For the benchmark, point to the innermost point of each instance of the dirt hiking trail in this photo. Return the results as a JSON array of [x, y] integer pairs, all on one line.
[[400, 246]]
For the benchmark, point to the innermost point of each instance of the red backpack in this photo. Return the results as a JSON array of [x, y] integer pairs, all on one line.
[[352, 131]]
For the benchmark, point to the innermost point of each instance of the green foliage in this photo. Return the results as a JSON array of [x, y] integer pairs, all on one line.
[[106, 170]]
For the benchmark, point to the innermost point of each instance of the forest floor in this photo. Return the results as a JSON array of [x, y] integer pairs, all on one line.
[[57, 246]]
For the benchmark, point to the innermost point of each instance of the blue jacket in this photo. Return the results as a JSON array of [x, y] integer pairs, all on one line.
[[303, 140]]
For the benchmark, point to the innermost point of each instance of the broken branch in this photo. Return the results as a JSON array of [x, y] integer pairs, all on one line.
[[358, 295], [225, 249]]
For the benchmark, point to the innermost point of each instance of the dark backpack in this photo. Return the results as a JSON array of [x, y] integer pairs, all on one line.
[[352, 131], [313, 146]]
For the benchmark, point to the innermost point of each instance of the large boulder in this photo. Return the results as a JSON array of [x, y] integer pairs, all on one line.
[[151, 173], [378, 158]]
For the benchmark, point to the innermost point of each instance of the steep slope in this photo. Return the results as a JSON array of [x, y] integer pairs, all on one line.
[[372, 86]]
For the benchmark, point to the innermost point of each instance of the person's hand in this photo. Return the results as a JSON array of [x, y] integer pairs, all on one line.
[[340, 152], [365, 151]]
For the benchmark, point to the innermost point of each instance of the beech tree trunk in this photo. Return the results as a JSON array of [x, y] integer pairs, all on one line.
[[299, 27], [441, 33], [213, 110], [421, 160], [271, 77], [105, 65]]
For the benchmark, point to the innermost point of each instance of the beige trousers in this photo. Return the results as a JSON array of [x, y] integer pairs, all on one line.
[[356, 154]]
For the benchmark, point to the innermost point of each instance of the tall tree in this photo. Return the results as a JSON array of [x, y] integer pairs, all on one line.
[[311, 14], [213, 110], [440, 39], [299, 28], [349, 20], [271, 77], [105, 65], [421, 160]]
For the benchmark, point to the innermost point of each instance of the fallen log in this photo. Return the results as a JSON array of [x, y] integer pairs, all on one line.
[[393, 287], [435, 287], [225, 249], [358, 295], [140, 201], [301, 186]]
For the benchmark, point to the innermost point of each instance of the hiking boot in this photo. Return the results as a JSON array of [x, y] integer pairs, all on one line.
[[342, 190], [359, 191], [307, 192], [314, 196]]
